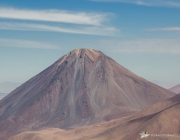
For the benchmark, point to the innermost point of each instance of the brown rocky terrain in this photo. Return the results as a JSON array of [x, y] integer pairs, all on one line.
[[175, 89], [84, 87], [160, 120]]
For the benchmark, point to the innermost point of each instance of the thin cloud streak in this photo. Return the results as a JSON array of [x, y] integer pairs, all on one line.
[[159, 3], [90, 30], [166, 46], [25, 44], [165, 29], [54, 16]]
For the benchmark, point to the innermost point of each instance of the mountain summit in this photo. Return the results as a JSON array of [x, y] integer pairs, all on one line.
[[81, 88]]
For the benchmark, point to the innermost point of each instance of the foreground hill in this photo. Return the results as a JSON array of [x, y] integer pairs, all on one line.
[[160, 120], [175, 89], [83, 87]]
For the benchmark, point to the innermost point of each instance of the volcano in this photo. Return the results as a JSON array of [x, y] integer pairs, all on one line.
[[83, 87]]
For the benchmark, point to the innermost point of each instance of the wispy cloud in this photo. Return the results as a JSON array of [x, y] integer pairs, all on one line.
[[57, 21], [91, 30], [161, 3], [167, 46], [54, 16], [25, 44], [165, 29]]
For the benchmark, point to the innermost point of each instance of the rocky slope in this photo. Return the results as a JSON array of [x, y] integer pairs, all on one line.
[[160, 120]]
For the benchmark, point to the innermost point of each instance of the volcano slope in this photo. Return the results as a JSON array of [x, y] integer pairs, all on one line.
[[83, 87]]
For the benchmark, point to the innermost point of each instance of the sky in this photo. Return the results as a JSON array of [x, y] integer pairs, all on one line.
[[141, 35]]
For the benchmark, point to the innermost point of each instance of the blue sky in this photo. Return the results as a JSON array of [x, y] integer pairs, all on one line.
[[141, 35]]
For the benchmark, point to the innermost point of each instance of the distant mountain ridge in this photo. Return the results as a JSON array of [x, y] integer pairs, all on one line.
[[83, 87], [2, 95], [7, 87], [175, 89]]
